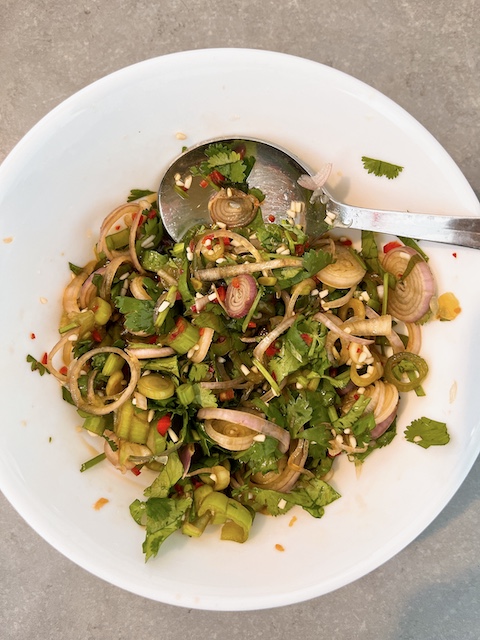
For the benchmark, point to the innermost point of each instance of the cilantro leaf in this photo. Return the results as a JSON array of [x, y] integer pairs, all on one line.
[[36, 365], [381, 168], [299, 413], [138, 313], [161, 517], [313, 495], [427, 432], [168, 476], [261, 456]]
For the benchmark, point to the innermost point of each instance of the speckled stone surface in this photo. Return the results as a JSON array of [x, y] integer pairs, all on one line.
[[422, 54]]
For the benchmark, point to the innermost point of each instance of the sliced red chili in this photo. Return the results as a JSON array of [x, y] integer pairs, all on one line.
[[251, 325], [204, 184], [136, 471], [96, 335], [271, 351], [391, 245], [221, 293], [307, 338], [45, 358], [216, 177], [164, 423], [63, 371]]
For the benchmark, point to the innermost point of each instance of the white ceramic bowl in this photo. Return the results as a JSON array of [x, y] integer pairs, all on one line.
[[55, 188]]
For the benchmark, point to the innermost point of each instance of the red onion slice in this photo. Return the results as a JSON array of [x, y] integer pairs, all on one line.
[[241, 293], [410, 300]]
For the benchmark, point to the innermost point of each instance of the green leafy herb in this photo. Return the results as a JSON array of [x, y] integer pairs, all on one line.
[[381, 168], [161, 517], [261, 457], [138, 313], [427, 432], [168, 476], [36, 365]]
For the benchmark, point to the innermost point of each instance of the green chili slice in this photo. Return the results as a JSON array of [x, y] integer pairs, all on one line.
[[405, 363]]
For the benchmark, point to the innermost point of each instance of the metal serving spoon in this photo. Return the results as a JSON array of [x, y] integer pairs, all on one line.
[[276, 173]]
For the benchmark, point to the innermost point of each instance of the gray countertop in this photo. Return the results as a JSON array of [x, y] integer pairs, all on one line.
[[422, 54]]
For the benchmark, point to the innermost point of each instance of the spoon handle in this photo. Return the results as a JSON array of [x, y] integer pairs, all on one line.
[[459, 230]]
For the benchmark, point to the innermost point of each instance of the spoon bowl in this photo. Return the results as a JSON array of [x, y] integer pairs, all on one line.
[[275, 173]]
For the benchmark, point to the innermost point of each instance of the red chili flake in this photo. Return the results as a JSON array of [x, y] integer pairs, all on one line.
[[152, 339], [226, 242], [274, 376], [216, 177], [180, 325], [136, 471], [209, 237], [454, 254], [201, 331], [193, 308], [197, 483], [204, 184], [178, 296], [64, 371], [251, 325], [299, 249], [33, 336], [307, 338], [333, 372], [391, 245], [347, 242], [96, 335], [271, 218], [163, 425], [271, 351], [221, 293], [356, 396], [117, 227], [152, 214], [236, 283], [45, 358]]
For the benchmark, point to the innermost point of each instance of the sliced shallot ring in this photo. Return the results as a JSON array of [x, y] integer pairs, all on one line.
[[326, 319], [340, 302], [132, 238], [301, 289], [109, 275], [285, 481], [410, 300], [379, 326], [118, 399], [148, 352], [345, 272], [414, 343], [113, 217], [217, 273], [270, 338], [238, 438], [220, 385], [249, 420], [138, 289], [72, 291], [65, 340], [203, 345]]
